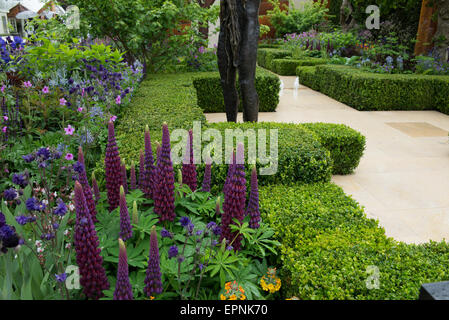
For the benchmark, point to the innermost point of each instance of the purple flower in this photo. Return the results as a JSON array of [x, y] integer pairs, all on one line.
[[253, 203], [153, 282], [126, 231], [164, 193], [22, 220], [166, 234], [184, 221], [61, 277], [147, 184], [118, 100], [62, 102], [188, 165], [123, 289], [172, 252], [69, 130], [10, 194], [43, 153], [8, 237], [95, 188], [88, 258], [82, 178], [78, 166], [61, 209], [32, 204], [28, 158], [199, 232], [45, 90], [69, 156], [113, 175], [234, 199], [20, 180], [207, 177]]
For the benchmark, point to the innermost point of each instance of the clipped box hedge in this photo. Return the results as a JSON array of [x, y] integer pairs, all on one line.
[[328, 244], [210, 95], [346, 145], [266, 56], [371, 91], [287, 67]]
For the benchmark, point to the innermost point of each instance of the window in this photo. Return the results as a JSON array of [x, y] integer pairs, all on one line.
[[4, 28], [12, 25]]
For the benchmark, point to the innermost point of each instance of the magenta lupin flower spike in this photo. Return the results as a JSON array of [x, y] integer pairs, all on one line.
[[207, 176], [234, 200], [113, 174], [123, 289], [153, 279], [253, 204], [82, 178], [126, 230], [92, 274], [188, 165], [149, 165], [164, 197]]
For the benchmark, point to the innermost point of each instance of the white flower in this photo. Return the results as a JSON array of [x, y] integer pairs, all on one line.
[[71, 207], [38, 243], [39, 250], [66, 232], [68, 245], [45, 201]]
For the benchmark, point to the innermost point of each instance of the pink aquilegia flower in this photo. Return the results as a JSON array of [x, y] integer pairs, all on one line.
[[69, 130], [113, 118], [69, 156], [2, 89], [45, 89], [27, 84], [82, 92], [118, 100], [4, 129], [80, 109], [62, 102], [5, 118]]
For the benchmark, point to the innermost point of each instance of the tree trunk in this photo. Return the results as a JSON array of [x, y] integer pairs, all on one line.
[[205, 29], [441, 37], [426, 29]]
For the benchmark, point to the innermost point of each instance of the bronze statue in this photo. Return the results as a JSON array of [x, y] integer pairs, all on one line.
[[237, 50]]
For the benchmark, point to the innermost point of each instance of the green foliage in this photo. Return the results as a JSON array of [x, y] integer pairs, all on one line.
[[296, 20], [152, 32], [287, 67], [368, 91], [266, 56], [345, 144], [210, 95], [328, 243]]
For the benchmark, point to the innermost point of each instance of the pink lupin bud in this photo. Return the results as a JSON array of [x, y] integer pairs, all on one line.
[[132, 177], [123, 289], [126, 231], [92, 274]]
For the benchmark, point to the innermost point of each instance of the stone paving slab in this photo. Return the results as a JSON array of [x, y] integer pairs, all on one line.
[[403, 177]]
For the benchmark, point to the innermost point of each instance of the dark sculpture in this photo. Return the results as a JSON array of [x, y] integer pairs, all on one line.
[[237, 50]]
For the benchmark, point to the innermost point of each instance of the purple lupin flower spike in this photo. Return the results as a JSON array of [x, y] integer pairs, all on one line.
[[141, 171], [153, 281], [132, 177], [234, 200], [93, 276], [124, 176], [82, 178], [123, 289], [113, 174], [126, 230], [95, 188], [253, 203], [188, 165], [164, 197], [230, 171], [207, 176], [149, 166]]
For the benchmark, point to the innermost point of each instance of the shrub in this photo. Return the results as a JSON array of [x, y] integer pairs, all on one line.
[[210, 95], [328, 245], [369, 91], [345, 145], [287, 67], [301, 157], [266, 56]]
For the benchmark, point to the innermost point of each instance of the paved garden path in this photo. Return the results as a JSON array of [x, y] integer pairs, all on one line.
[[403, 177]]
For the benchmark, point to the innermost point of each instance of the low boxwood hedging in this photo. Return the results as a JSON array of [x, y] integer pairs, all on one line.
[[287, 67], [345, 144], [372, 91], [266, 56], [210, 95], [301, 157], [329, 247]]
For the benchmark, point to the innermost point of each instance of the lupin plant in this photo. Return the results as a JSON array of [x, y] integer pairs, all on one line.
[[80, 168], [113, 174], [149, 166], [95, 188], [153, 281], [123, 289], [253, 203], [126, 231], [207, 176], [164, 199], [188, 165]]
